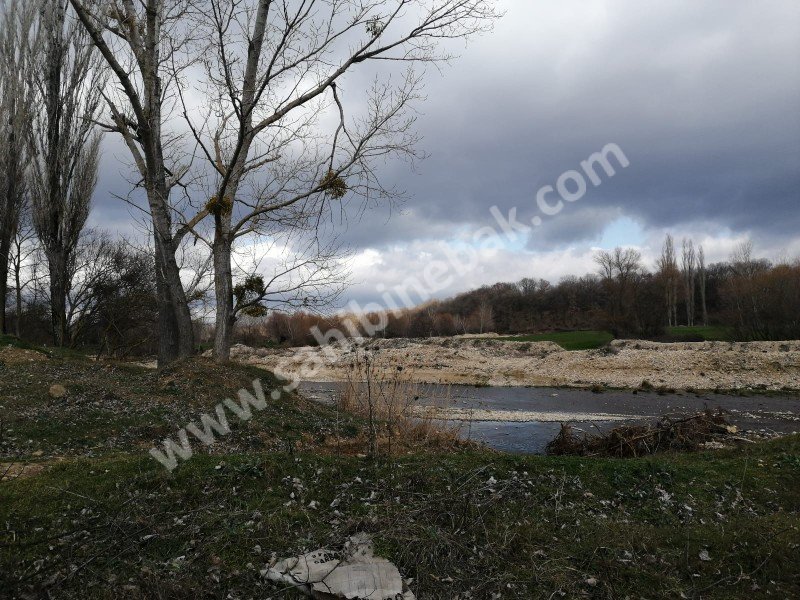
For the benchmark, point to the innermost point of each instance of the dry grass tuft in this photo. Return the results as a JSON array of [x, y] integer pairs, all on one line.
[[387, 395]]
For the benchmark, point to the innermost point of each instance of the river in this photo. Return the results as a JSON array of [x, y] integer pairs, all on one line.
[[525, 419]]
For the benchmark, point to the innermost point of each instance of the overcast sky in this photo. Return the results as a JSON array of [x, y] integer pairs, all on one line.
[[703, 98]]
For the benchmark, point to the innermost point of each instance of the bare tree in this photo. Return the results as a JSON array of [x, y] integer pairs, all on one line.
[[621, 264], [744, 287], [703, 280], [17, 48], [64, 146], [620, 270], [485, 315], [742, 260], [93, 264], [689, 269], [668, 268], [272, 72], [141, 42]]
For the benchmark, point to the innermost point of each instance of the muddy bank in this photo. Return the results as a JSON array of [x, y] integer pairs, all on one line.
[[626, 364]]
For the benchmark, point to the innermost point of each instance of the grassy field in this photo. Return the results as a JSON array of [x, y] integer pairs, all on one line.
[[569, 340], [712, 333], [94, 516]]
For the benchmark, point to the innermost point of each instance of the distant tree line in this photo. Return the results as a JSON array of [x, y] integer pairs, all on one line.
[[755, 298]]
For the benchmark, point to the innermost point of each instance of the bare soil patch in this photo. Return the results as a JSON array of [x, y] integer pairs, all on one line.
[[18, 470], [10, 355]]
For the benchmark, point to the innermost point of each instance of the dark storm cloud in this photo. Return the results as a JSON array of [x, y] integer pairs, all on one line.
[[703, 98], [576, 223]]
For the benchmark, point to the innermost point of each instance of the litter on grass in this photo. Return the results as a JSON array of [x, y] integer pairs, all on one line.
[[355, 573]]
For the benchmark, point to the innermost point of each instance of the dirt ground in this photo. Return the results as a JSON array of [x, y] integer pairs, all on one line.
[[627, 364], [18, 356]]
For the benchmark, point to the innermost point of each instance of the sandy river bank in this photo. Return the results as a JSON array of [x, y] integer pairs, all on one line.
[[487, 361]]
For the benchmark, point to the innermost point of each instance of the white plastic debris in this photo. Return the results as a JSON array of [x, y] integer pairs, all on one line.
[[355, 574]]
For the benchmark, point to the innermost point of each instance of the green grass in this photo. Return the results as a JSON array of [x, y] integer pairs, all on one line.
[[569, 340], [113, 407], [712, 333], [458, 523]]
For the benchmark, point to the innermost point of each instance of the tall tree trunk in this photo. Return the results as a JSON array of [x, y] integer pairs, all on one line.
[[58, 297], [704, 306], [176, 337], [5, 249], [669, 302], [9, 211], [176, 334], [675, 302], [223, 292], [9, 215], [703, 302], [168, 338], [229, 188], [143, 34], [18, 302]]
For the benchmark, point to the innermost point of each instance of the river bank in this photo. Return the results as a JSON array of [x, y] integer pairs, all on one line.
[[485, 361]]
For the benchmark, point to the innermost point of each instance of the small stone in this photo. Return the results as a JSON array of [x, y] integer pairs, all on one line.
[[705, 556], [57, 391]]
